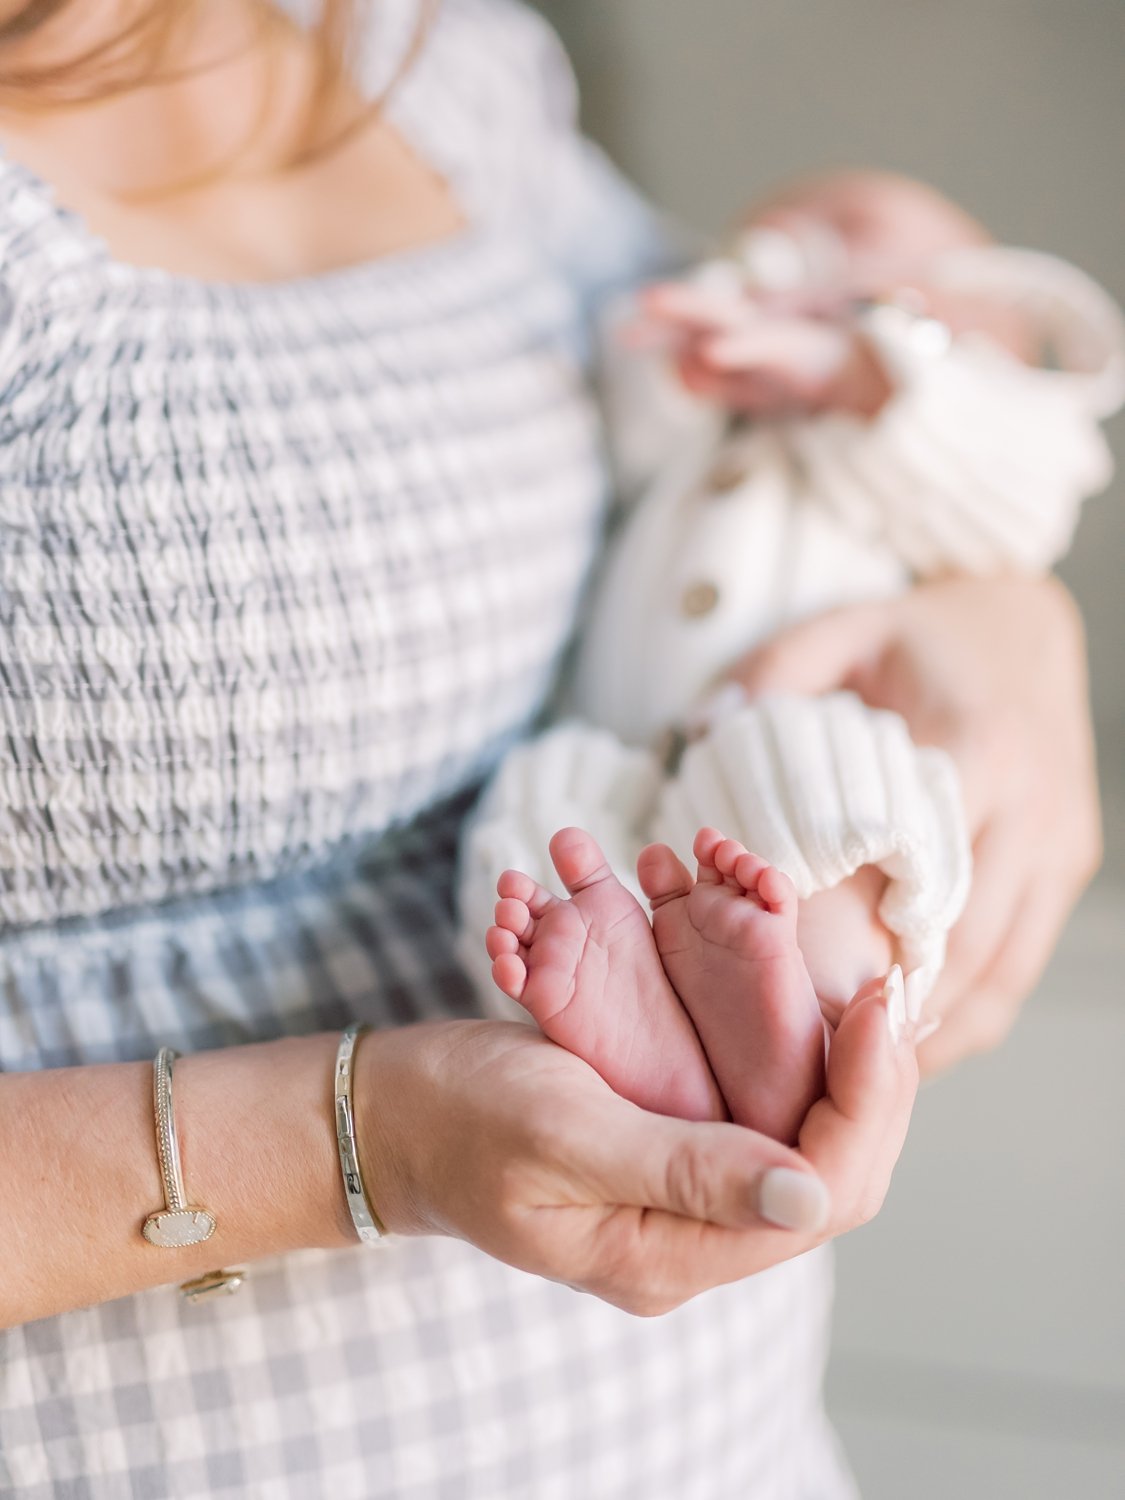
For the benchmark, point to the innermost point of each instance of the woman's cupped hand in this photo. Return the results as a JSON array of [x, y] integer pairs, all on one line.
[[487, 1131]]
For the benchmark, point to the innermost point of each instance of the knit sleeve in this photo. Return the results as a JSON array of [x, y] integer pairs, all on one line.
[[571, 774], [823, 786], [978, 462], [583, 213]]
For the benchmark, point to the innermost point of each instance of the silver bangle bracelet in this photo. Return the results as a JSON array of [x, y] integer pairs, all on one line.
[[179, 1224], [368, 1226]]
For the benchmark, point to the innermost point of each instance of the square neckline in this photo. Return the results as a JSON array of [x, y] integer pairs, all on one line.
[[402, 264]]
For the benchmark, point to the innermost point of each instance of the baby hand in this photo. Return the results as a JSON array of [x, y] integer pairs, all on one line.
[[749, 356], [777, 338]]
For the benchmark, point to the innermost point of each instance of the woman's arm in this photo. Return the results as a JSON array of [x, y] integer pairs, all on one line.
[[994, 671], [481, 1130], [79, 1175]]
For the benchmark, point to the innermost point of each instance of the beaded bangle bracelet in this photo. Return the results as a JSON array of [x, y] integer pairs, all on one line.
[[368, 1226]]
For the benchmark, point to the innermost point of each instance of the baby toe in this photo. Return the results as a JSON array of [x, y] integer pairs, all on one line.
[[516, 883], [707, 840], [515, 916], [748, 870], [578, 859], [500, 940], [662, 874], [727, 855], [509, 973], [777, 891]]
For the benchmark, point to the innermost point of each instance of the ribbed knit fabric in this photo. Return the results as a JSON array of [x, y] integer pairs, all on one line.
[[571, 774], [978, 462], [818, 786], [821, 787]]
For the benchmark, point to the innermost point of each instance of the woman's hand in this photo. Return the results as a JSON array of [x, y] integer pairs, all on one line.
[[994, 672], [489, 1132]]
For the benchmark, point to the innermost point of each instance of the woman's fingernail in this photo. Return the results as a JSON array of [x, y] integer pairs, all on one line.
[[926, 1031], [793, 1200], [894, 998], [917, 986]]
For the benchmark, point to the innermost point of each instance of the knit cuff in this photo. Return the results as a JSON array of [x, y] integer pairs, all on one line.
[[820, 787], [572, 774], [978, 461]]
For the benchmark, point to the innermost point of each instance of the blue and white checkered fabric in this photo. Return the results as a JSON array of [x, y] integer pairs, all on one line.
[[281, 569]]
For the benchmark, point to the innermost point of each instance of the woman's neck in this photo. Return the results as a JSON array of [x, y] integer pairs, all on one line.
[[195, 172]]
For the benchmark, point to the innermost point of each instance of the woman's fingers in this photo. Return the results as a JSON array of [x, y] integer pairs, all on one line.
[[952, 658], [983, 1010], [709, 1172], [692, 1206], [818, 655], [853, 1136], [998, 850], [569, 1181]]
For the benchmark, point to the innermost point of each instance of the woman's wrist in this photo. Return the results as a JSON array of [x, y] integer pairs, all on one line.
[[258, 1137], [401, 1097], [257, 1146]]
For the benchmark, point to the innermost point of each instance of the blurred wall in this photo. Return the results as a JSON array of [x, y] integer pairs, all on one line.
[[1014, 107]]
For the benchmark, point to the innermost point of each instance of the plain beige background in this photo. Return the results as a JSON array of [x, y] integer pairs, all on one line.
[[980, 1342]]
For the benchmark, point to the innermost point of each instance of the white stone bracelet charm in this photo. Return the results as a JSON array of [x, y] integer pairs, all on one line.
[[178, 1223]]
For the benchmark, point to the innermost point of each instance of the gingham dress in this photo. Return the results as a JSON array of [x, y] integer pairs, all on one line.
[[282, 569]]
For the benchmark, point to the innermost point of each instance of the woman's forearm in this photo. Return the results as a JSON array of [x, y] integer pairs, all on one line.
[[79, 1173]]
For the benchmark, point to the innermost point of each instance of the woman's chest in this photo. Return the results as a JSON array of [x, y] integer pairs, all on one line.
[[265, 584]]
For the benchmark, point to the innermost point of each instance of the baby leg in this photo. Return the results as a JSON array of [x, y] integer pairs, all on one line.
[[588, 971], [842, 940]]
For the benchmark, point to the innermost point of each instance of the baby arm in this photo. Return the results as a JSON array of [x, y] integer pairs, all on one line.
[[786, 340]]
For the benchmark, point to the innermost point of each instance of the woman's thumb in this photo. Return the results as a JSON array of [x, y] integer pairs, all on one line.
[[714, 1173]]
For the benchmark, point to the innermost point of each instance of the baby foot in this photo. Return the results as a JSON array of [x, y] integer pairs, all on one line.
[[728, 941], [587, 969]]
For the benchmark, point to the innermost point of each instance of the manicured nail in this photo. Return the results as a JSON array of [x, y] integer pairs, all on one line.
[[793, 1200], [894, 997], [926, 1031], [917, 984]]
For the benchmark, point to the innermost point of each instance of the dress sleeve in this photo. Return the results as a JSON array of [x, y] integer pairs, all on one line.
[[592, 222], [495, 97]]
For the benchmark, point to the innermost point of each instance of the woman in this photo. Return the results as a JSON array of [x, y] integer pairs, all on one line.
[[295, 423]]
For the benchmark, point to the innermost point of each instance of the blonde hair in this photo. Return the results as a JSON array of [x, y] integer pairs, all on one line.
[[135, 57]]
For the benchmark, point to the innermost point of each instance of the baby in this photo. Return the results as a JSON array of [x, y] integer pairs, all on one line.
[[959, 454]]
